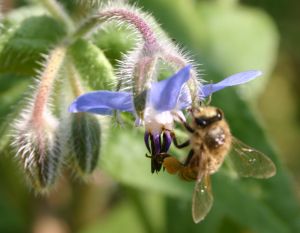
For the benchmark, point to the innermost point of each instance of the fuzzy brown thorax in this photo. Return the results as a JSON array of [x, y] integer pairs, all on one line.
[[211, 139]]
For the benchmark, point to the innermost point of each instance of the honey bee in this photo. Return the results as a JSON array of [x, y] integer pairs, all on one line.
[[210, 142]]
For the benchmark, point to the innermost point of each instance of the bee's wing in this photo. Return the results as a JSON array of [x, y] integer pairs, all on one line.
[[249, 162], [202, 199]]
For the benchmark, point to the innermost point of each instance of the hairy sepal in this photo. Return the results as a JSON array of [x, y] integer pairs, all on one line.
[[85, 140], [38, 150]]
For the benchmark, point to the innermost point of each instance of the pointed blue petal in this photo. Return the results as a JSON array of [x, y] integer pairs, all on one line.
[[164, 94], [232, 80], [103, 102]]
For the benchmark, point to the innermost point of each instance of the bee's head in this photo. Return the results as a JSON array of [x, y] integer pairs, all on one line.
[[205, 116]]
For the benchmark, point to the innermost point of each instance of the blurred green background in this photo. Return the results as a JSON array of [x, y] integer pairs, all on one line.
[[226, 37]]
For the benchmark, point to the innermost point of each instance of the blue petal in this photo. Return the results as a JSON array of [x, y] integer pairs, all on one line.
[[164, 94], [232, 80], [103, 102]]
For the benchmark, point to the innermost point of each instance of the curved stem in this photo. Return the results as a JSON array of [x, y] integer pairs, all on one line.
[[123, 14], [134, 18], [85, 27], [52, 66]]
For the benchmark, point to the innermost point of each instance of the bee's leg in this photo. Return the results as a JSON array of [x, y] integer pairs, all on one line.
[[188, 158], [188, 127], [185, 144], [162, 156], [149, 156], [185, 124]]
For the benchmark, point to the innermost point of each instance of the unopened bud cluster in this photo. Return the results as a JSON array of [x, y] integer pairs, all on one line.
[[48, 139], [38, 149]]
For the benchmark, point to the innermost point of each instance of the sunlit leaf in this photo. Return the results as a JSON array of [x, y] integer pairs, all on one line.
[[11, 92], [31, 39], [114, 42], [92, 65], [239, 38]]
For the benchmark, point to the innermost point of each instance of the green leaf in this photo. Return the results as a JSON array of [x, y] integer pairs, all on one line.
[[241, 204], [123, 215], [11, 220], [180, 21], [114, 42], [179, 218], [20, 14], [15, 206], [27, 43], [139, 210], [238, 39], [12, 88], [92, 64]]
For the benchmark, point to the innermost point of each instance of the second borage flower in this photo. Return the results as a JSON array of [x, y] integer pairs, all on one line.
[[164, 101]]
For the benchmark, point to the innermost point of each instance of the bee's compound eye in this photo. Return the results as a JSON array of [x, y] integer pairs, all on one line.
[[201, 122]]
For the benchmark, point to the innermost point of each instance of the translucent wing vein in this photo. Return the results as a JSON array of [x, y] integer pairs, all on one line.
[[249, 162], [202, 199]]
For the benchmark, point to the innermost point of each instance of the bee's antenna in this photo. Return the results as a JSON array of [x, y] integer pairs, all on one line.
[[210, 96], [209, 99]]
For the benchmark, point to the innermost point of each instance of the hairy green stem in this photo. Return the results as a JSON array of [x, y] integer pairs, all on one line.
[[58, 12], [74, 79], [87, 26]]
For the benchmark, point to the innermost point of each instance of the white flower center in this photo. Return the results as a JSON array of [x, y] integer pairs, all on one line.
[[156, 121]]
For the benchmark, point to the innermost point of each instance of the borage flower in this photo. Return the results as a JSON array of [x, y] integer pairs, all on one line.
[[164, 102]]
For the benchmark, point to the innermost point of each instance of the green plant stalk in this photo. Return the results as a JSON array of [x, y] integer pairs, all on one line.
[[48, 76], [74, 79], [87, 26], [59, 13]]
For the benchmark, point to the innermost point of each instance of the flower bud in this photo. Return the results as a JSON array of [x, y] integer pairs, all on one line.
[[144, 74], [85, 141], [38, 150]]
